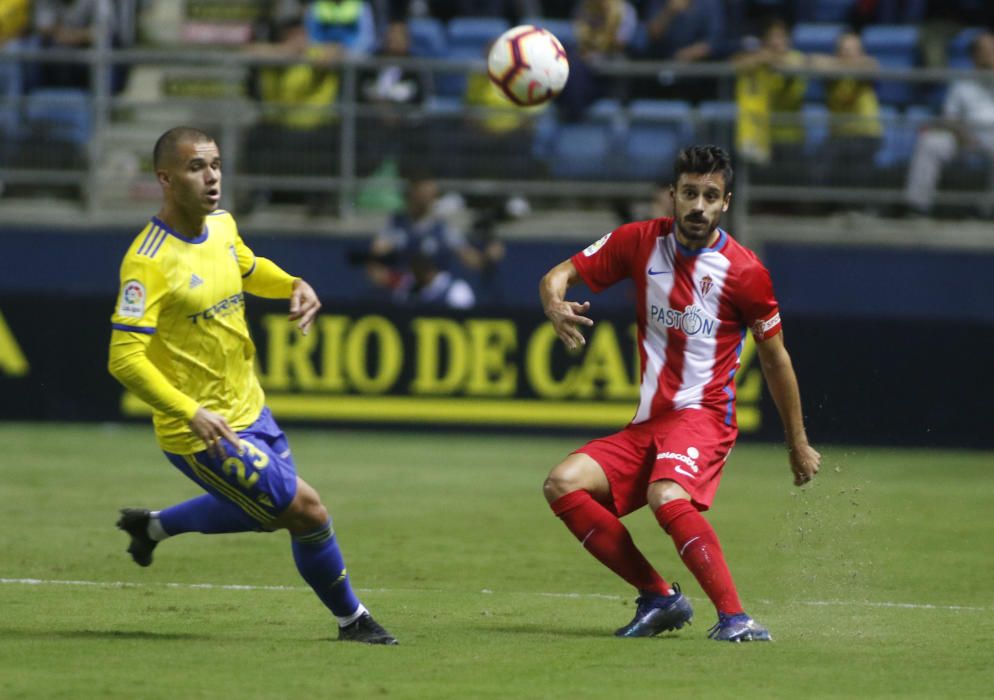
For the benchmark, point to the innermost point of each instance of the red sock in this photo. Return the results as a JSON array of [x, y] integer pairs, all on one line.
[[603, 535], [698, 546]]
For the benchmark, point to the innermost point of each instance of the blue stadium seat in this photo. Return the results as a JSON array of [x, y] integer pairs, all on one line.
[[447, 106], [11, 86], [657, 130], [717, 122], [815, 118], [824, 10], [894, 46], [582, 151], [469, 37], [900, 134], [427, 37], [816, 38], [562, 28], [958, 50], [62, 114]]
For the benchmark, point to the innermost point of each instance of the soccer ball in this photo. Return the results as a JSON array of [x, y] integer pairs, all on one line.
[[528, 65]]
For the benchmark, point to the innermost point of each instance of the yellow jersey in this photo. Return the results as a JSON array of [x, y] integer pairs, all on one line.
[[183, 300]]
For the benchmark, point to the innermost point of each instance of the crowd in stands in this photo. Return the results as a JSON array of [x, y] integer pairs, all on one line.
[[776, 119]]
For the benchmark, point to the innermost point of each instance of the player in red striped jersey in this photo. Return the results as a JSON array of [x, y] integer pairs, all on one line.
[[698, 293]]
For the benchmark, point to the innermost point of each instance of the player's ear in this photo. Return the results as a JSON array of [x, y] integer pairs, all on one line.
[[727, 203], [163, 177]]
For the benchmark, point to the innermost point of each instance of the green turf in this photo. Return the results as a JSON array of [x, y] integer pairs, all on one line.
[[454, 550]]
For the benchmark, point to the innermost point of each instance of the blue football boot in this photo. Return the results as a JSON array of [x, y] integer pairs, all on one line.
[[658, 613], [738, 628]]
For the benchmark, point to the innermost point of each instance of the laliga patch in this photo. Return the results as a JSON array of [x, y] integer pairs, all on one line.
[[597, 245], [132, 300]]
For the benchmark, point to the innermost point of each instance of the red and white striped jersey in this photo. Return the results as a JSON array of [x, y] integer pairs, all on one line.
[[693, 309]]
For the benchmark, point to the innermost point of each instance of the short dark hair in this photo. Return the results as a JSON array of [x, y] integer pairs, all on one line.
[[704, 160], [166, 144]]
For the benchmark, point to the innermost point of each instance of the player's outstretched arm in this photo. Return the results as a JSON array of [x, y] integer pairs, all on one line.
[[780, 378], [304, 305], [566, 316]]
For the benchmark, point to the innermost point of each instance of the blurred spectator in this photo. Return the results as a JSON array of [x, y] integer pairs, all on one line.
[[73, 24], [412, 257], [391, 94], [855, 130], [943, 20], [511, 10], [769, 128], [298, 134], [865, 12], [15, 19], [603, 29], [684, 30], [966, 127], [490, 138]]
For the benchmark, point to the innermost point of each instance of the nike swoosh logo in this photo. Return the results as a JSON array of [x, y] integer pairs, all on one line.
[[659, 272], [679, 470]]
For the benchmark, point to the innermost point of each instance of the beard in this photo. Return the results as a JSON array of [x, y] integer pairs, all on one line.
[[699, 233]]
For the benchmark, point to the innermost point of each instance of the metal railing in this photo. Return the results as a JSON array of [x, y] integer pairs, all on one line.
[[235, 115]]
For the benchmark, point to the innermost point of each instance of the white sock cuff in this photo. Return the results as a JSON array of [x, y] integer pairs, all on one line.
[[345, 621], [154, 529]]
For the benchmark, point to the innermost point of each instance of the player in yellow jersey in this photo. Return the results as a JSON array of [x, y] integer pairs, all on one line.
[[180, 342]]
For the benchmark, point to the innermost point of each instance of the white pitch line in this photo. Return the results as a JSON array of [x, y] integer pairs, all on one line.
[[485, 591]]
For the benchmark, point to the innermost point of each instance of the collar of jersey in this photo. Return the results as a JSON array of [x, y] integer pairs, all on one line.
[[199, 239], [719, 244]]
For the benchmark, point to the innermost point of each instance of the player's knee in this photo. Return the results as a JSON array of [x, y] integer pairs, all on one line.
[[559, 482], [663, 491], [311, 512]]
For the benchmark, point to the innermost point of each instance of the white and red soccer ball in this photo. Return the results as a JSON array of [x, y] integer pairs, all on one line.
[[528, 64]]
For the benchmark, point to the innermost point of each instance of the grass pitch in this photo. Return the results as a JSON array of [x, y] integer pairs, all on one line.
[[875, 581]]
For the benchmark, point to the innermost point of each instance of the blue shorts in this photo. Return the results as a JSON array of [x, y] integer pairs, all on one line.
[[260, 478]]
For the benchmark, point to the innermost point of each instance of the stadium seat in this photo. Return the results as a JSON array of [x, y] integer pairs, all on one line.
[[10, 92], [562, 28], [810, 37], [427, 37], [894, 46], [469, 37], [816, 38], [63, 114], [900, 134], [440, 105], [824, 10], [582, 151], [958, 50], [716, 122], [657, 130], [815, 118]]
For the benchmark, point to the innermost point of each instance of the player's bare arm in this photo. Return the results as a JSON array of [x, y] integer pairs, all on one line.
[[780, 378], [566, 316], [212, 428], [304, 305]]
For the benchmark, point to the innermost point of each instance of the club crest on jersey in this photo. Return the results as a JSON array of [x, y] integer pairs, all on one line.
[[596, 245], [706, 284], [692, 320], [132, 302]]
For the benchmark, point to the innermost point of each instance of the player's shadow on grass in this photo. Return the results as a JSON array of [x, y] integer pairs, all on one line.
[[105, 634], [544, 630]]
